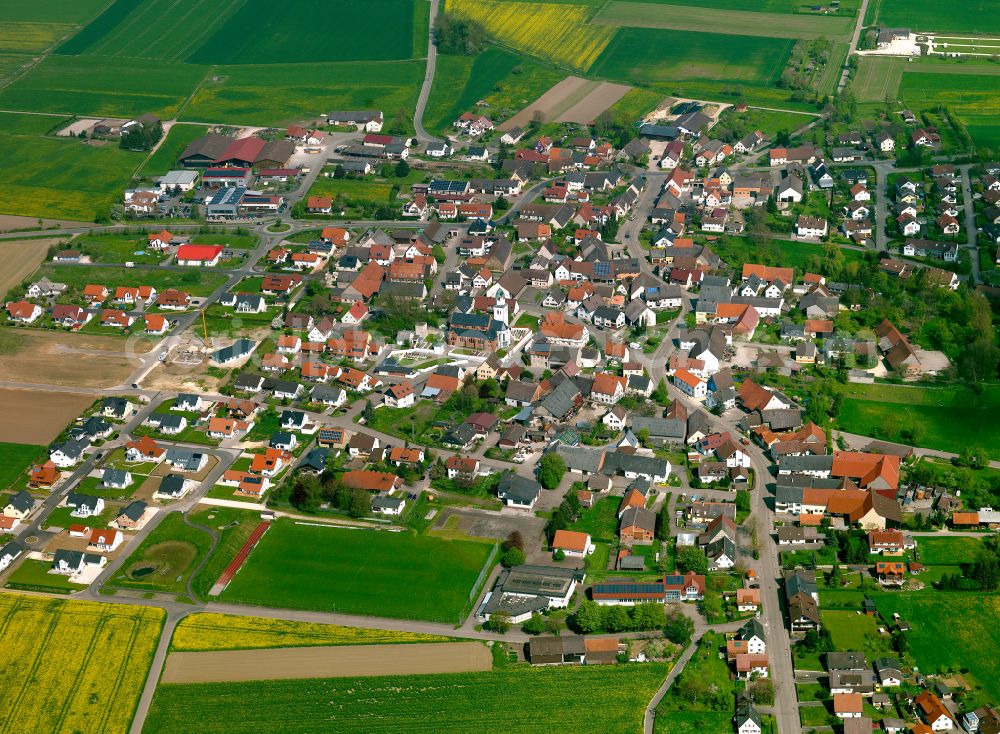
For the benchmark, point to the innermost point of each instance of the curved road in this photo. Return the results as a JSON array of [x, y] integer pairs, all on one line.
[[425, 91]]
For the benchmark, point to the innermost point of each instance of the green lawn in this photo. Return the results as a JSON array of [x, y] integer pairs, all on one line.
[[948, 551], [601, 520], [165, 559], [16, 460], [117, 248], [610, 698], [852, 630], [360, 572], [948, 418], [679, 711], [234, 527], [33, 575], [803, 256], [970, 644], [61, 517]]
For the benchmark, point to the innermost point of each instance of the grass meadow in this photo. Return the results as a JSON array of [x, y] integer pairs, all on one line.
[[165, 157], [461, 81], [73, 666], [360, 572], [945, 551], [951, 418], [610, 698], [165, 559], [15, 460], [79, 11], [196, 281], [62, 178], [950, 630]]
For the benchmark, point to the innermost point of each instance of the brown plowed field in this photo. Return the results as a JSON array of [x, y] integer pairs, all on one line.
[[50, 357], [326, 662], [21, 258], [36, 417]]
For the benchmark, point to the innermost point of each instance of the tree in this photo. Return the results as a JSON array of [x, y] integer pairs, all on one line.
[[648, 616], [512, 557], [692, 558], [458, 36], [761, 691], [986, 571], [711, 605], [339, 171], [368, 412], [306, 493], [615, 618], [660, 394], [551, 469], [402, 168], [514, 540], [588, 618], [534, 626], [679, 628], [499, 622]]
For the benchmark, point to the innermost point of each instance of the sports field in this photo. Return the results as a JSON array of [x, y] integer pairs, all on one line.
[[610, 698], [209, 631], [951, 418], [73, 666], [360, 572], [274, 94], [717, 20], [928, 16], [671, 56], [938, 647]]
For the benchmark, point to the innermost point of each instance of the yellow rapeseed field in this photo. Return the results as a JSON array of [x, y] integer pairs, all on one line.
[[209, 631], [73, 666], [556, 31]]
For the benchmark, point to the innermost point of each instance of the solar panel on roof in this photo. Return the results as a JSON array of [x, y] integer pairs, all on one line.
[[602, 268]]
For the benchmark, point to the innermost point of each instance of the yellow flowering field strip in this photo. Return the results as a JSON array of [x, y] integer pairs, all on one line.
[[210, 631]]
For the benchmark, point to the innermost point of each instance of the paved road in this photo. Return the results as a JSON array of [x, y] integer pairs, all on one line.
[[854, 45], [425, 91], [969, 212]]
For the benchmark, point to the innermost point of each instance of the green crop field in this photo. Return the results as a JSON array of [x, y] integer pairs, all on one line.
[[635, 104], [23, 37], [610, 698], [474, 77], [935, 646], [14, 123], [165, 157], [63, 178], [723, 20], [946, 551], [11, 63], [307, 31], [877, 78], [87, 85], [951, 418], [695, 61], [280, 93], [15, 460], [977, 93], [50, 11], [847, 7], [984, 129], [970, 16], [152, 29], [360, 572]]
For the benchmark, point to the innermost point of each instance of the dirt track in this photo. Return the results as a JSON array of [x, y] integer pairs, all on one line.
[[326, 662], [31, 416]]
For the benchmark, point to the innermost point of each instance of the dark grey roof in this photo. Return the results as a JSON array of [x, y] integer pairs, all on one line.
[[22, 501], [134, 510], [520, 489], [639, 517], [172, 484], [805, 463], [671, 428], [561, 400]]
